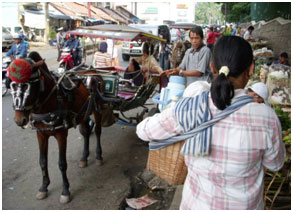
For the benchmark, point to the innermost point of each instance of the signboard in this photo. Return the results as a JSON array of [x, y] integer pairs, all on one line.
[[151, 10], [182, 6]]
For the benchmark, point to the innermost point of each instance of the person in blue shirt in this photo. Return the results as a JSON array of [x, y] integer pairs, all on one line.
[[72, 44], [18, 49]]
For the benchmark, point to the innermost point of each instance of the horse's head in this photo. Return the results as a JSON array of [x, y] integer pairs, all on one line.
[[26, 87]]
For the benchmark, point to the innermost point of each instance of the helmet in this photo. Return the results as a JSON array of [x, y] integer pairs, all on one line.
[[16, 36]]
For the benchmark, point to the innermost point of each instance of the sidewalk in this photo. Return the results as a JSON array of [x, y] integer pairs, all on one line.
[[177, 198]]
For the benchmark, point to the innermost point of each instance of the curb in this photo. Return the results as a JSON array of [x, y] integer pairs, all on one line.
[[177, 198]]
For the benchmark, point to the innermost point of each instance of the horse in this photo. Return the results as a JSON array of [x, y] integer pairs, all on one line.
[[52, 111]]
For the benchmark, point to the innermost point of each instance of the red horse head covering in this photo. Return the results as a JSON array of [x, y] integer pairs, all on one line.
[[19, 70]]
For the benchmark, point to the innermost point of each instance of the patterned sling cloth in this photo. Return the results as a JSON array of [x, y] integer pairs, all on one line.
[[194, 116]]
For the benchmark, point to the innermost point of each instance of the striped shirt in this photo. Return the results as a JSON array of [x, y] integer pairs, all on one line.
[[101, 59], [231, 177]]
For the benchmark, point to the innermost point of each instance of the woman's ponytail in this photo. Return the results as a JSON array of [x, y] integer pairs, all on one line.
[[232, 55]]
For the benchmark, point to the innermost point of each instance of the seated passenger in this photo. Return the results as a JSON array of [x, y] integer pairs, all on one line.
[[148, 61], [101, 57]]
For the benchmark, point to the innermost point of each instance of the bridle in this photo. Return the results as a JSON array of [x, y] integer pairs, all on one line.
[[21, 91]]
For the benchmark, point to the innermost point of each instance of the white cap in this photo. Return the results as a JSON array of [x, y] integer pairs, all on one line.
[[262, 90], [61, 28]]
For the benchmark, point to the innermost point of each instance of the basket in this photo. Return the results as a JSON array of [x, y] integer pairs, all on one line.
[[168, 164]]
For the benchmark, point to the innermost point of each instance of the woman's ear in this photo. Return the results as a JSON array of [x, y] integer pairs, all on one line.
[[213, 68]]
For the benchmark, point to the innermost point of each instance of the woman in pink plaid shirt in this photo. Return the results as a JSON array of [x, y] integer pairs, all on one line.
[[230, 174]]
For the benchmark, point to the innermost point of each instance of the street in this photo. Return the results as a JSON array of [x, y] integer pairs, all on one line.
[[93, 187]]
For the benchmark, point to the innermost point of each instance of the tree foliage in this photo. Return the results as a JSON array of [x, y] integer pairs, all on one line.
[[208, 13], [236, 11]]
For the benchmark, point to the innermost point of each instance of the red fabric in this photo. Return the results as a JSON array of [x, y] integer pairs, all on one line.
[[212, 37], [19, 70]]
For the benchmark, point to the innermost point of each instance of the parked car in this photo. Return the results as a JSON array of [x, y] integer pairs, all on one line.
[[7, 39], [134, 48]]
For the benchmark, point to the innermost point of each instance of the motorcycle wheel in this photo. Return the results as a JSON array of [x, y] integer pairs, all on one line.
[[4, 88]]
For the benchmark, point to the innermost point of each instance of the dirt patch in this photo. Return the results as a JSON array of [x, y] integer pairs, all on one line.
[[147, 183]]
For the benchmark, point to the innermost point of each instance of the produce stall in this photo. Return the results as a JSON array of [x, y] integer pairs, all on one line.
[[277, 77]]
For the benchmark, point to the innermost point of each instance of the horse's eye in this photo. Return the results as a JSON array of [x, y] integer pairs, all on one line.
[[24, 87], [14, 86]]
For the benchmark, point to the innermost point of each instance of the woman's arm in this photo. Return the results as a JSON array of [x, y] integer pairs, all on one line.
[[160, 126]]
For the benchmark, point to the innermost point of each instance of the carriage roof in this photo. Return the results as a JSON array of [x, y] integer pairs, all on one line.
[[116, 32], [185, 26]]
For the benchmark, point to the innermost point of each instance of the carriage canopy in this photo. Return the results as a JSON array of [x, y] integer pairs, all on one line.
[[116, 32]]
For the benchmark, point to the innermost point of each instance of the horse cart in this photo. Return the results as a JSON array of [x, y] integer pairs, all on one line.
[[55, 101], [120, 95]]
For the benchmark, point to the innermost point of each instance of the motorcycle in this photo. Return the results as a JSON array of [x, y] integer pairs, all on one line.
[[66, 60], [5, 79]]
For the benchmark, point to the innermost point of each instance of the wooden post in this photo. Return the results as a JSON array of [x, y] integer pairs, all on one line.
[[47, 27]]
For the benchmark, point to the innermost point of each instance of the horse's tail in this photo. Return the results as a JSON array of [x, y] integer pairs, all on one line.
[[35, 56]]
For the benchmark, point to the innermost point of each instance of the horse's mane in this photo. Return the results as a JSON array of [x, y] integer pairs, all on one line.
[[35, 56]]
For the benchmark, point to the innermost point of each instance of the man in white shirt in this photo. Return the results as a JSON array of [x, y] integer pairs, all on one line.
[[248, 34]]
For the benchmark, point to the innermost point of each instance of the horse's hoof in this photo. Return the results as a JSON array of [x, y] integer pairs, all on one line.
[[82, 164], [64, 199], [41, 195], [99, 162]]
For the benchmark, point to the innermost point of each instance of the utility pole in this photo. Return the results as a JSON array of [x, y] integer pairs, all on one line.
[[89, 9], [47, 27]]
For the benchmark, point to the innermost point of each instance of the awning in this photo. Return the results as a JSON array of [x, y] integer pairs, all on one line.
[[92, 20], [36, 19], [117, 32]]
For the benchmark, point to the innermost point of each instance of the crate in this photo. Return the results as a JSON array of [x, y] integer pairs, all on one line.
[[168, 164]]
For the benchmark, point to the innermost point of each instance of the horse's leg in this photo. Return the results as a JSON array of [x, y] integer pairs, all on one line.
[[85, 131], [98, 131], [43, 146], [61, 137]]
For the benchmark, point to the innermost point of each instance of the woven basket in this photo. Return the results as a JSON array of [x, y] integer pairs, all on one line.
[[168, 164]]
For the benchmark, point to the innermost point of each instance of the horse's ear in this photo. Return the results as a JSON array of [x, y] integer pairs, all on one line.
[[39, 63]]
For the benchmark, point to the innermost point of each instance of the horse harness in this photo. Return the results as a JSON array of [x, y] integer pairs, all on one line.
[[61, 118]]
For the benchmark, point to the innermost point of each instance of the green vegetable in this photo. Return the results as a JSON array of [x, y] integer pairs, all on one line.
[[283, 117]]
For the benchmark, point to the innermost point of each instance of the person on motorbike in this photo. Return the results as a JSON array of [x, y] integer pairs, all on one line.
[[60, 38], [18, 49], [72, 44]]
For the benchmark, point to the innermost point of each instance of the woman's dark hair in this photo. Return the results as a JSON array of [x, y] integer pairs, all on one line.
[[235, 53], [197, 30], [146, 48], [103, 47]]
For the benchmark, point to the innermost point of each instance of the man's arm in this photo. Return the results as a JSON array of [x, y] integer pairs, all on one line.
[[10, 52]]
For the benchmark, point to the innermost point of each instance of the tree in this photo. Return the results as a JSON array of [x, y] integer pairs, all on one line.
[[236, 12], [208, 13]]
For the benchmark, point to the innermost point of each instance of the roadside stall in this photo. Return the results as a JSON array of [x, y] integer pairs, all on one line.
[[277, 77]]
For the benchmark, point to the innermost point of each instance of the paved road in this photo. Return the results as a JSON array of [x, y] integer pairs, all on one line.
[[92, 188]]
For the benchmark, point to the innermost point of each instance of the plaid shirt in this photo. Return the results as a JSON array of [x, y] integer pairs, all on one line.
[[231, 177]]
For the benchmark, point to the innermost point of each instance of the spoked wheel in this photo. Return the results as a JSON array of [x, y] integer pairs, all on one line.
[[4, 88]]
